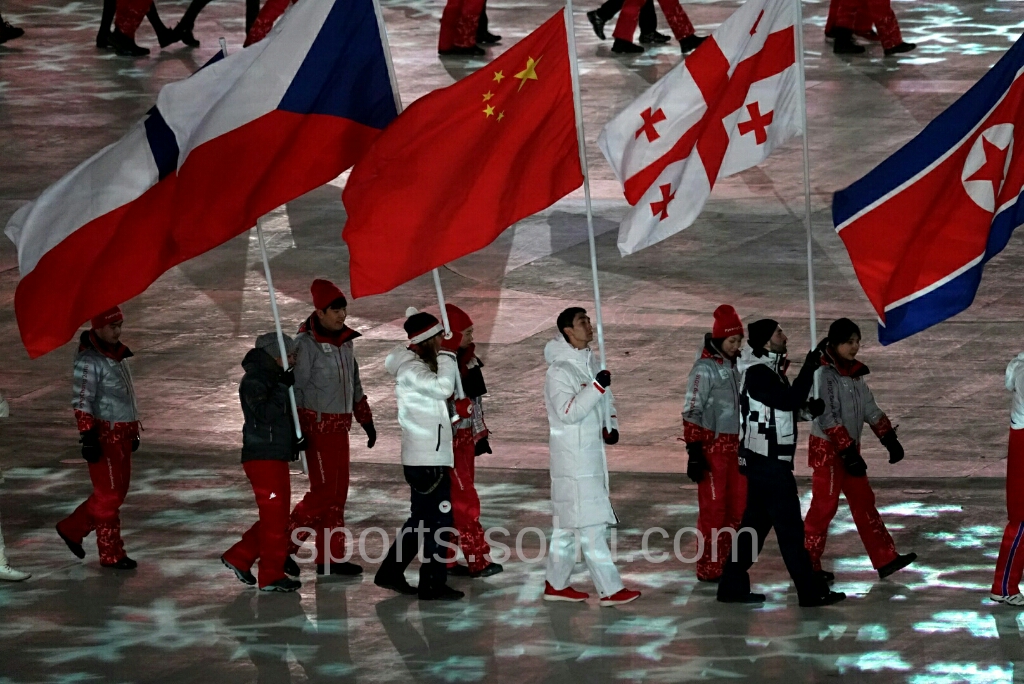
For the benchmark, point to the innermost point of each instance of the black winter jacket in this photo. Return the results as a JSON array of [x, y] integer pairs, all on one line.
[[269, 432]]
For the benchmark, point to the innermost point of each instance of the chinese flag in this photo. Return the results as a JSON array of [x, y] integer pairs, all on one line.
[[464, 163]]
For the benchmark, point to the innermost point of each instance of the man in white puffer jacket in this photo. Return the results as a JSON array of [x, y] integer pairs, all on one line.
[[1010, 566], [578, 401], [425, 373]]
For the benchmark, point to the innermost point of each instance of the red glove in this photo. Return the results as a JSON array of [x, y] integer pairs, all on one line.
[[464, 407], [452, 344]]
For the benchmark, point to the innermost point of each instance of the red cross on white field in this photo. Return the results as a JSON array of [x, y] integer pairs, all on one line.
[[758, 123]]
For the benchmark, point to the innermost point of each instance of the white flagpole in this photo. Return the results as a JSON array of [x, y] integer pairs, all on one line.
[[574, 70], [398, 108], [799, 31], [280, 336]]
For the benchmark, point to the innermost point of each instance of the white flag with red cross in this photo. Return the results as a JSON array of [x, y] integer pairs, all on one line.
[[722, 110]]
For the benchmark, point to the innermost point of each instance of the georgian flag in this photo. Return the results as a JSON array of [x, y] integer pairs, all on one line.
[[722, 110]]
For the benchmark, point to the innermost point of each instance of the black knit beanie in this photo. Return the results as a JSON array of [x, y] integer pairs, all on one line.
[[759, 332]]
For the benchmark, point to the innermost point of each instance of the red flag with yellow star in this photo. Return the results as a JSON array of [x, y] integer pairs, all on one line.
[[464, 163]]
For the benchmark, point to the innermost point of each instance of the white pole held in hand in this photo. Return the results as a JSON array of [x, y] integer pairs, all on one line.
[[582, 144], [799, 31], [280, 337], [447, 329]]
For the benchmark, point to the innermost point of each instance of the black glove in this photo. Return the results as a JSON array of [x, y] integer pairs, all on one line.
[[891, 442], [482, 447], [91, 449], [822, 346], [135, 443], [300, 445], [696, 464], [288, 377], [853, 462], [610, 437], [604, 378], [815, 407], [813, 358], [371, 434]]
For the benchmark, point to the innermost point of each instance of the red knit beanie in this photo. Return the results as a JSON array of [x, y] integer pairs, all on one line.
[[458, 319], [107, 317], [727, 322], [324, 293]]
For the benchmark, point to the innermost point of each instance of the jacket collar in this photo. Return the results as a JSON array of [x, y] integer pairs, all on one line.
[[321, 335], [118, 352], [849, 369], [710, 351]]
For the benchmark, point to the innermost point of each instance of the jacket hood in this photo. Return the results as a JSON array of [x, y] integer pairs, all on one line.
[[1016, 366], [259, 361], [559, 350], [398, 357]]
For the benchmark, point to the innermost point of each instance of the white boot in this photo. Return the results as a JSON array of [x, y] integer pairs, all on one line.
[[10, 574]]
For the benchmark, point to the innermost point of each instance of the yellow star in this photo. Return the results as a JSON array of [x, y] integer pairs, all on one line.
[[529, 73], [488, 96], [498, 75], [501, 115], [488, 111]]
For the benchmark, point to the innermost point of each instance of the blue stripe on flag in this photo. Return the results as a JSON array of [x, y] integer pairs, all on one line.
[[162, 143], [344, 73], [935, 140]]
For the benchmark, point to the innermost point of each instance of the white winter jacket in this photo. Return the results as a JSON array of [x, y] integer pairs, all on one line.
[[423, 406], [576, 405], [1015, 383]]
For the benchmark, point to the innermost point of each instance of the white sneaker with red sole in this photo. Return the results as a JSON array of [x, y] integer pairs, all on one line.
[[621, 597], [567, 594]]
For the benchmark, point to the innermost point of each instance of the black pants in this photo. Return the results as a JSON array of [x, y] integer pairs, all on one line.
[[431, 509], [648, 19], [772, 501]]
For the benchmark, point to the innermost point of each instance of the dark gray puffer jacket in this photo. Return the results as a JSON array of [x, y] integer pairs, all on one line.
[[269, 432]]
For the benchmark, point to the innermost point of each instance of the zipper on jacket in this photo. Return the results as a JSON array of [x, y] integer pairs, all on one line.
[[438, 447]]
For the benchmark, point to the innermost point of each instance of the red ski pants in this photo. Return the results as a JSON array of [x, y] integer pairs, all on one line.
[[267, 539], [674, 13], [270, 13], [722, 498], [129, 14], [466, 504], [101, 511], [828, 482], [851, 14], [1010, 565], [322, 509], [862, 25], [458, 24]]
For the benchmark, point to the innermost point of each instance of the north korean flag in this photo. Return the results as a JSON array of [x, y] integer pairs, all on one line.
[[922, 225]]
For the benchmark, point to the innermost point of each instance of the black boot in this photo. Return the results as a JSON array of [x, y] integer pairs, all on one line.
[[395, 583], [897, 49], [125, 46], [896, 565], [624, 47], [75, 547], [597, 22], [125, 563], [343, 569], [185, 35], [654, 38], [164, 35], [284, 585], [690, 43], [490, 569], [844, 42], [749, 597], [244, 576], [291, 568], [825, 576]]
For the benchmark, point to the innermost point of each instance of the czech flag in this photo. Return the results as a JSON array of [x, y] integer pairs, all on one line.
[[922, 225], [232, 142]]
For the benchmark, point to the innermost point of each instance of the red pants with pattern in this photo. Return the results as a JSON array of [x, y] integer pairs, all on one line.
[[101, 511], [829, 480], [674, 13], [862, 25], [322, 509], [851, 14], [466, 504], [129, 14], [722, 498], [458, 24], [269, 13], [1010, 565], [267, 539]]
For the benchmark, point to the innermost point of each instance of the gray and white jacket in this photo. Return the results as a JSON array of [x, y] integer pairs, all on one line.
[[712, 400], [103, 389], [326, 372], [849, 404]]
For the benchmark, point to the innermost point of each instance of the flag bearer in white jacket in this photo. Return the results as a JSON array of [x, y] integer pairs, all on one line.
[[1010, 566], [425, 372], [577, 398]]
